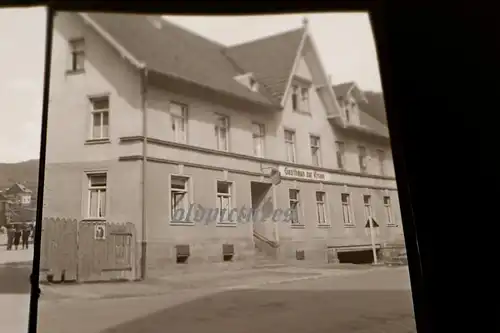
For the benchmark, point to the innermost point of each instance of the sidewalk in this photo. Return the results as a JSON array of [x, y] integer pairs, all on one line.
[[15, 256], [203, 281]]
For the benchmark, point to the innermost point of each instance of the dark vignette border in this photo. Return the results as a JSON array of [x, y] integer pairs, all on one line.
[[414, 83]]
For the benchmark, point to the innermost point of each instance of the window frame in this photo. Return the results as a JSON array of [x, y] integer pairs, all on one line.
[[298, 207], [217, 128], [316, 146], [324, 204], [76, 49], [188, 194], [388, 210], [348, 204], [340, 153], [292, 142], [99, 188], [368, 208], [101, 112], [224, 220], [184, 118], [363, 159], [381, 157], [261, 137]]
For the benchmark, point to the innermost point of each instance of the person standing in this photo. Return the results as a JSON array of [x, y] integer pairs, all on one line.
[[10, 237], [25, 236], [17, 237]]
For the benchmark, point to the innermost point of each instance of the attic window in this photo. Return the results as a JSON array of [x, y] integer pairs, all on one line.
[[248, 81], [252, 83]]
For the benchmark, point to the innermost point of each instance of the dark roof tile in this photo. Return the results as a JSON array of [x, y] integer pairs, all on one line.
[[270, 59], [172, 50]]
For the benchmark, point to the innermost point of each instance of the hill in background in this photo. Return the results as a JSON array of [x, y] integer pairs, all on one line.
[[23, 172]]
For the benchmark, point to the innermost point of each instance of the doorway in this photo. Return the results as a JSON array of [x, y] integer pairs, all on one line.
[[261, 196]]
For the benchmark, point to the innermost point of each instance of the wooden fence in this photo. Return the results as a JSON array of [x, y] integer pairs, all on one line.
[[82, 251]]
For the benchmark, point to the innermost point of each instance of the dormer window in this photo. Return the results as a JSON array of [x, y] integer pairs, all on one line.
[[248, 80], [300, 98], [253, 84], [304, 95]]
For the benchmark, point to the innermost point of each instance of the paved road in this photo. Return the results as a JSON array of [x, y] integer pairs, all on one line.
[[15, 270], [365, 302]]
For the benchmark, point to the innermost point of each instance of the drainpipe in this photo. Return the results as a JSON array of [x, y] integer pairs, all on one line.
[[144, 88]]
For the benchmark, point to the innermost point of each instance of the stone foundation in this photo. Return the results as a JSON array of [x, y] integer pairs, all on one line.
[[161, 257]]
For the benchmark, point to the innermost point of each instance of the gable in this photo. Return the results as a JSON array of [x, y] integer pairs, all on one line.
[[270, 59], [303, 70]]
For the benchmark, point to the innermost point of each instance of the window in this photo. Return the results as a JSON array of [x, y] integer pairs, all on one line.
[[346, 209], [321, 208], [294, 205], [315, 150], [222, 132], [304, 95], [362, 159], [381, 161], [178, 114], [100, 117], [179, 196], [253, 84], [224, 200], [347, 113], [295, 98], [368, 207], [388, 210], [77, 52], [290, 145], [340, 150], [258, 135], [300, 98], [97, 195]]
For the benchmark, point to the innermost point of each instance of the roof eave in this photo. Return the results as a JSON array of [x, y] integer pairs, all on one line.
[[339, 121], [113, 42], [269, 105]]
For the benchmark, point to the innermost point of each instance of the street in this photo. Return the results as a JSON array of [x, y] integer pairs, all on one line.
[[15, 270], [362, 301]]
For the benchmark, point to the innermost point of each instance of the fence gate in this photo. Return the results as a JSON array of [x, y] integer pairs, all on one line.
[[105, 251], [88, 251]]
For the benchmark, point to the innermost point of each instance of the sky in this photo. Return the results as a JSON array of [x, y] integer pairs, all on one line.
[[344, 41]]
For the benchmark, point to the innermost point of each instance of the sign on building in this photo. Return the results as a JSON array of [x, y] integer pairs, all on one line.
[[100, 231], [305, 174]]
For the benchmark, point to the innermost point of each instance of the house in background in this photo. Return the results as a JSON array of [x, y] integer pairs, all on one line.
[[164, 118], [4, 208], [19, 193]]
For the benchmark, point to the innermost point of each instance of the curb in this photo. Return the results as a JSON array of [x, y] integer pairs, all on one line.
[[89, 296]]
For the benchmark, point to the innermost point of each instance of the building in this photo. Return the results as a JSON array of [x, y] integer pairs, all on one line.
[[19, 193], [163, 117]]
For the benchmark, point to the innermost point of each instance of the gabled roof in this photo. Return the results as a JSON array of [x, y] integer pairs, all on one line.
[[17, 188], [270, 59], [168, 49], [342, 89], [376, 126]]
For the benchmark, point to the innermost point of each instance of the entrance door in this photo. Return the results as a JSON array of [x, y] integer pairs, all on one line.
[[263, 207]]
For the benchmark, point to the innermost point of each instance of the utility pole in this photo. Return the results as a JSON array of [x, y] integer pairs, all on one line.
[[372, 236]]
